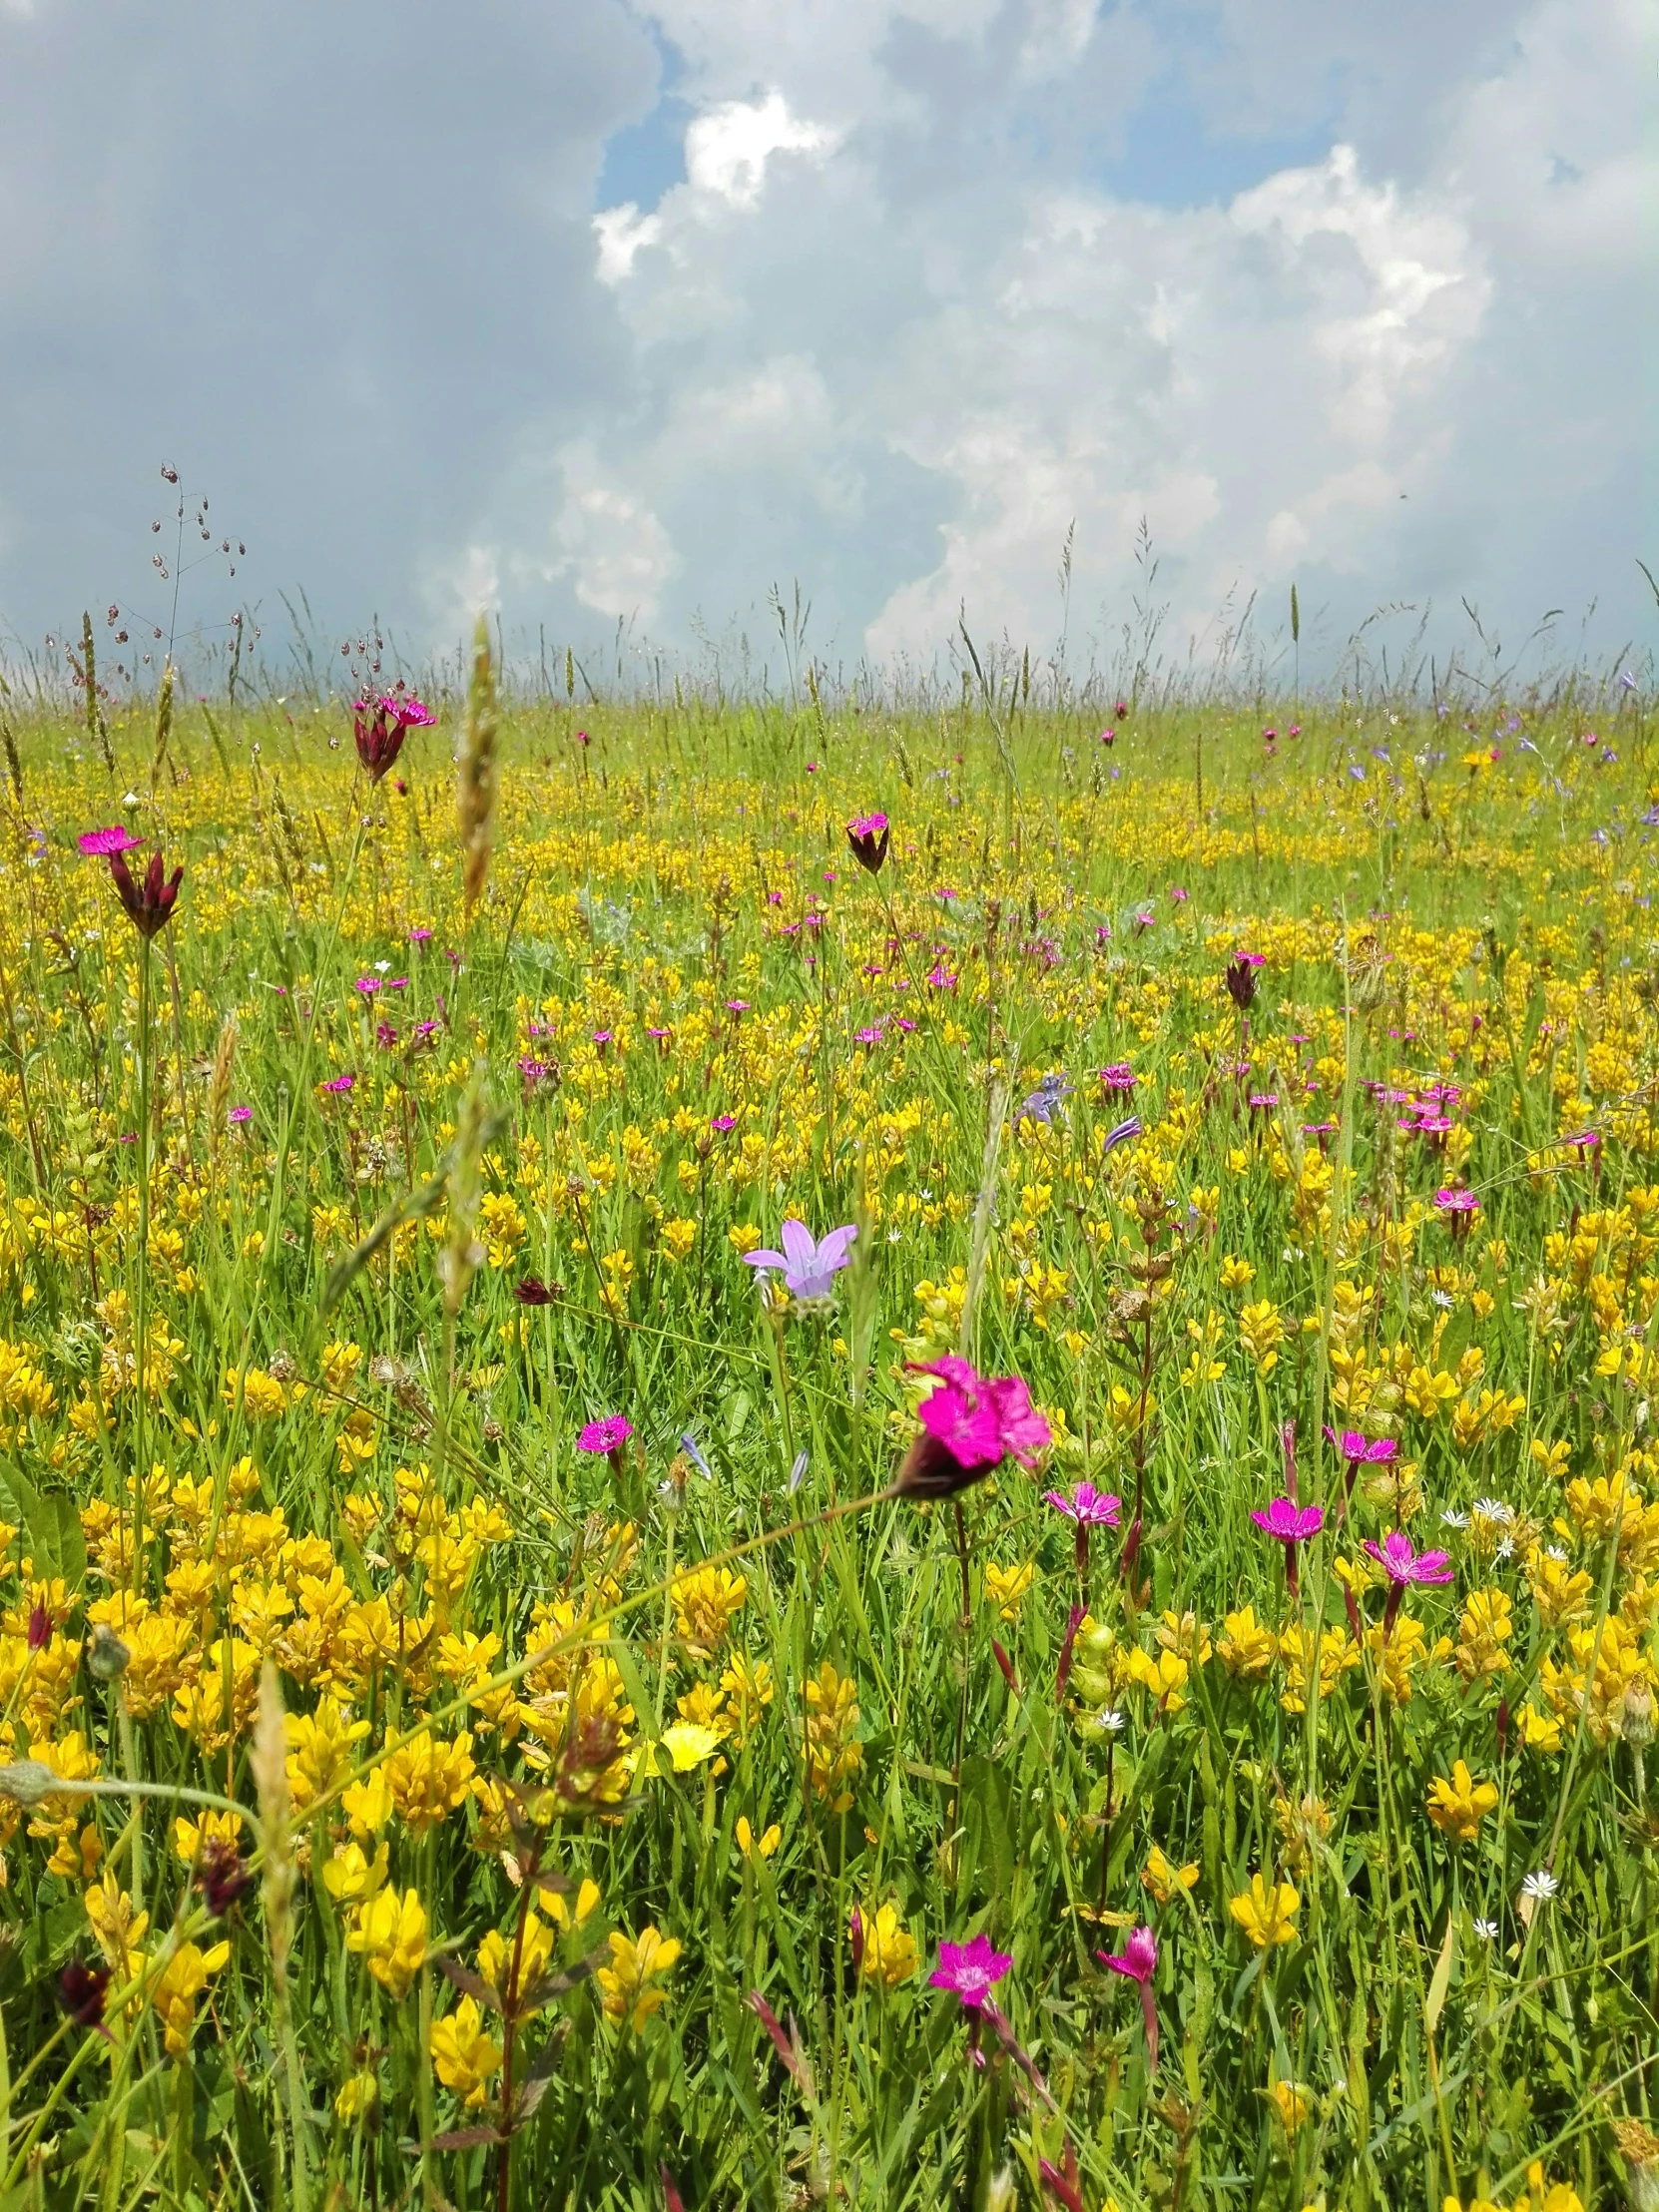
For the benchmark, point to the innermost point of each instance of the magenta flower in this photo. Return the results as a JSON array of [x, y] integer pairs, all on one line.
[[241, 1114], [1457, 1207], [379, 726], [1087, 1508], [1290, 1525], [1138, 1957], [1087, 1505], [1120, 1076], [869, 838], [1138, 1962], [1287, 1522], [972, 1970], [101, 845], [808, 1264], [1359, 1452], [607, 1436], [339, 1084], [1403, 1564], [970, 1424]]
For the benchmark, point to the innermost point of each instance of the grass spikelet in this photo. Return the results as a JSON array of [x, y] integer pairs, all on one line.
[[219, 1089], [97, 731], [14, 765], [475, 765], [163, 724]]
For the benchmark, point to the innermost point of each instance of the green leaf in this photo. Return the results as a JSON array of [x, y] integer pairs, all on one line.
[[1440, 1981], [987, 1822], [53, 1526]]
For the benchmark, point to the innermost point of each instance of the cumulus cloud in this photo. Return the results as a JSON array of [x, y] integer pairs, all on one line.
[[908, 300]]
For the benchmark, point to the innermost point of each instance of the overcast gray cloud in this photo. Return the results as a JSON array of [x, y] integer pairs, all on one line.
[[605, 312]]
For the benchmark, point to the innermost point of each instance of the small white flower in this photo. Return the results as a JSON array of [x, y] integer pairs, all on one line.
[[1494, 1510], [381, 966], [1111, 1718], [1442, 1299], [1485, 1930], [1540, 1886], [129, 798], [1557, 1553], [1451, 1518]]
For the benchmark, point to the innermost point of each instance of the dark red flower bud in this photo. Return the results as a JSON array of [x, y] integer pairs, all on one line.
[[855, 1940], [40, 1625], [1240, 979], [81, 1993], [149, 904], [533, 1291], [1062, 1675], [223, 1875]]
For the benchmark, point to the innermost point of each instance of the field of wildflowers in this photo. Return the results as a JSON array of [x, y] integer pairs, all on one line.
[[760, 1456]]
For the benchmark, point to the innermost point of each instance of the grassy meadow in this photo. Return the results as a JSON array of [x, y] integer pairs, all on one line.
[[506, 1699]]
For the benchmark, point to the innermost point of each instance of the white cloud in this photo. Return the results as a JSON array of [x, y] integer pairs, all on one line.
[[728, 149], [933, 286], [612, 548], [622, 231]]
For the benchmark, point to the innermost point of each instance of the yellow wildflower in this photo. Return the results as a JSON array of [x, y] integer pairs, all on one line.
[[1005, 1587], [1267, 1913], [635, 1965], [463, 2055], [175, 1992], [746, 1843], [1459, 1806], [391, 1936], [429, 1779], [889, 1956], [1165, 1880], [705, 1602]]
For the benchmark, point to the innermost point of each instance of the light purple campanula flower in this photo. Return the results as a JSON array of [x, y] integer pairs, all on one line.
[[808, 1264]]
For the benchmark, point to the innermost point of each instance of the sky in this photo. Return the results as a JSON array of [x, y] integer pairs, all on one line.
[[619, 317]]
